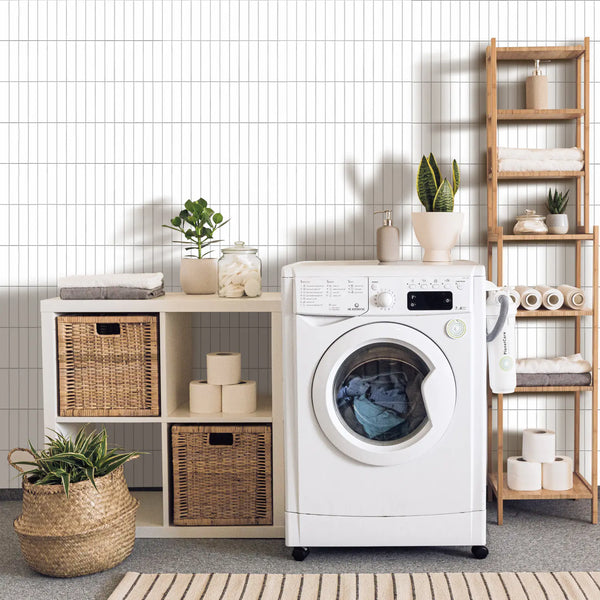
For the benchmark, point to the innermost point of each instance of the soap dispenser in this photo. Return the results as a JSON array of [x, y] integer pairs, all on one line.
[[536, 89], [388, 239]]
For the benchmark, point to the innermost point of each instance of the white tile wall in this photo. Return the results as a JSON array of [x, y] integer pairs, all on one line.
[[297, 119]]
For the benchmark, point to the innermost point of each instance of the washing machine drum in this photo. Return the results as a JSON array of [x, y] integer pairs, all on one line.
[[384, 393]]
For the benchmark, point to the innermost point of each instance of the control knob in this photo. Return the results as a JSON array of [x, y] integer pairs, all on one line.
[[385, 299]]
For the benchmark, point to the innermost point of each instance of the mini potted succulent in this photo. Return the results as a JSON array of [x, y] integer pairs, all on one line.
[[438, 228], [557, 221], [78, 515], [198, 223]]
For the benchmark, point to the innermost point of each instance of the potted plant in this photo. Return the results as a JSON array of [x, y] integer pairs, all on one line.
[[78, 515], [438, 228], [557, 221], [198, 223]]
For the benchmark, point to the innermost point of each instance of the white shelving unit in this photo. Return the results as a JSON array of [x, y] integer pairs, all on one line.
[[175, 314]]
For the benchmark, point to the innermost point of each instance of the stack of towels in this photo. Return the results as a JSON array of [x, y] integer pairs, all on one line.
[[530, 159], [538, 466], [120, 286], [562, 370]]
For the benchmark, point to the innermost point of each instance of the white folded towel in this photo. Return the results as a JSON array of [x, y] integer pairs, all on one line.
[[522, 164], [541, 154], [147, 281], [561, 364]]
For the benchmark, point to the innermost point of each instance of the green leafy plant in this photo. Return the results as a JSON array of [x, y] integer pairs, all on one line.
[[198, 223], [557, 204], [66, 461], [435, 194]]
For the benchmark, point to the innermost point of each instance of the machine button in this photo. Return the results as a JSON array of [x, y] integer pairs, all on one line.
[[373, 286], [424, 286], [385, 299], [412, 286], [456, 328], [436, 286], [460, 285], [447, 286]]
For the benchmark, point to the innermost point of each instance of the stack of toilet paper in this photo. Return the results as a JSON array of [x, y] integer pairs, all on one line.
[[223, 390], [539, 467], [551, 298]]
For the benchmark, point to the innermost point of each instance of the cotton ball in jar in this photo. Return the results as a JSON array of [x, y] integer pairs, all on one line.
[[239, 272]]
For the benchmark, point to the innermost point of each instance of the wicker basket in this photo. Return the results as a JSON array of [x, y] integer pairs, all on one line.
[[221, 474], [90, 531], [108, 365]]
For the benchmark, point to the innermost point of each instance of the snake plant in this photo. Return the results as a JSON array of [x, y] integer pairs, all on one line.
[[65, 461], [557, 204], [435, 194]]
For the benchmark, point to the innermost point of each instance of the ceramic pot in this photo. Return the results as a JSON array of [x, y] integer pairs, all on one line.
[[558, 223], [437, 232], [198, 275]]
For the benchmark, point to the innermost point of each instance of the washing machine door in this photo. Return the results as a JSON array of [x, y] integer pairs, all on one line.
[[384, 393]]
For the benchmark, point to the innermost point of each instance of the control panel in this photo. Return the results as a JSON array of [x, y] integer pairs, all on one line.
[[352, 296]]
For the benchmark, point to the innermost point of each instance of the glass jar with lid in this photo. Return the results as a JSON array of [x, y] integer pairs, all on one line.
[[530, 222], [239, 272]]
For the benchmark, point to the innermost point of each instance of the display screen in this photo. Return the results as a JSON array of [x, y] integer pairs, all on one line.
[[429, 301]]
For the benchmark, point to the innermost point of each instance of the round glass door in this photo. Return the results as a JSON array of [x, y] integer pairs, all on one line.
[[383, 393], [378, 393]]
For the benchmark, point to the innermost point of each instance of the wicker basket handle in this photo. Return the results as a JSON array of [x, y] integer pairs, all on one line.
[[14, 464]]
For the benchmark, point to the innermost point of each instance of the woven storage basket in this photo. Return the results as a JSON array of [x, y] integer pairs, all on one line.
[[108, 365], [90, 531], [221, 474]]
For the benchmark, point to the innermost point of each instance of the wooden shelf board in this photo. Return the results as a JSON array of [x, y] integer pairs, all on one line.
[[549, 389], [567, 237], [551, 314], [539, 52], [540, 174], [579, 491], [263, 414], [533, 114]]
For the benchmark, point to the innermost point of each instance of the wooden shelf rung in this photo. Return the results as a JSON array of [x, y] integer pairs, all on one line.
[[534, 114], [579, 491], [539, 52]]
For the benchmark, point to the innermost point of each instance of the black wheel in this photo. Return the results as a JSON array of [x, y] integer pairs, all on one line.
[[300, 553], [479, 551]]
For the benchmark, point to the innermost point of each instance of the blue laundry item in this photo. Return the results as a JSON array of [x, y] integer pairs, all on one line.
[[357, 386], [394, 398], [375, 419]]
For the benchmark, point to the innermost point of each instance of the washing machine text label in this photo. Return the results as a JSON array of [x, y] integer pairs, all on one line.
[[327, 296]]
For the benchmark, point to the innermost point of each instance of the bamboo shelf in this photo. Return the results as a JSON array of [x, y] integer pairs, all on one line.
[[579, 116]]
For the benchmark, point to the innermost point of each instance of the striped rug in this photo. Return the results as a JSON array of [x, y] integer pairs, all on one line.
[[351, 586]]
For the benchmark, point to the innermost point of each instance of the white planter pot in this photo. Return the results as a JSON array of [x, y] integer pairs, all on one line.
[[437, 233], [558, 223], [198, 275]]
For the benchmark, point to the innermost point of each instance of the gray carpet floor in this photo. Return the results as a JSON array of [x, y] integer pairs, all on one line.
[[536, 536]]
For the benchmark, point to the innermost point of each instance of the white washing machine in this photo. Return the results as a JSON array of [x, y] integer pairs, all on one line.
[[385, 404]]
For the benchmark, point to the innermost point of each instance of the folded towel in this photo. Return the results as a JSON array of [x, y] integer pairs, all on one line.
[[541, 154], [561, 364], [521, 164], [110, 293], [542, 379], [146, 281]]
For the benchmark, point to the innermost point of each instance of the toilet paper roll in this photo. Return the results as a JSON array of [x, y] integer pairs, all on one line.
[[204, 397], [538, 445], [239, 398], [552, 298], [531, 299], [223, 368], [522, 475], [574, 297], [558, 475], [515, 296]]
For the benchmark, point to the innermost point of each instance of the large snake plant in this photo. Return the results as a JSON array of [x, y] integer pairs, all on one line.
[[435, 194], [65, 461]]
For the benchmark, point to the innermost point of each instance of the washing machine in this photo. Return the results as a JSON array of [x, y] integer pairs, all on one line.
[[384, 404]]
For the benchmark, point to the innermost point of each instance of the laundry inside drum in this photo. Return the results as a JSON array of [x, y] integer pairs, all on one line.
[[377, 392]]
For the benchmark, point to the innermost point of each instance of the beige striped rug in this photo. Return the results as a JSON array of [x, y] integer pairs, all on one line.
[[351, 586]]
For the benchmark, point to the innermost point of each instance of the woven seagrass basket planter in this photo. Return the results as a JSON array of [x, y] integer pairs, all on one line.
[[88, 532]]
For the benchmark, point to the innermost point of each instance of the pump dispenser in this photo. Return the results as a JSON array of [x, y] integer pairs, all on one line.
[[388, 239], [536, 89]]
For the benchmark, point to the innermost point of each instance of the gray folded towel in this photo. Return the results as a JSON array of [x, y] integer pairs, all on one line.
[[110, 293], [548, 379]]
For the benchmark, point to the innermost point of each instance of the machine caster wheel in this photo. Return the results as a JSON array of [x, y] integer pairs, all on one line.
[[479, 551], [300, 553]]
